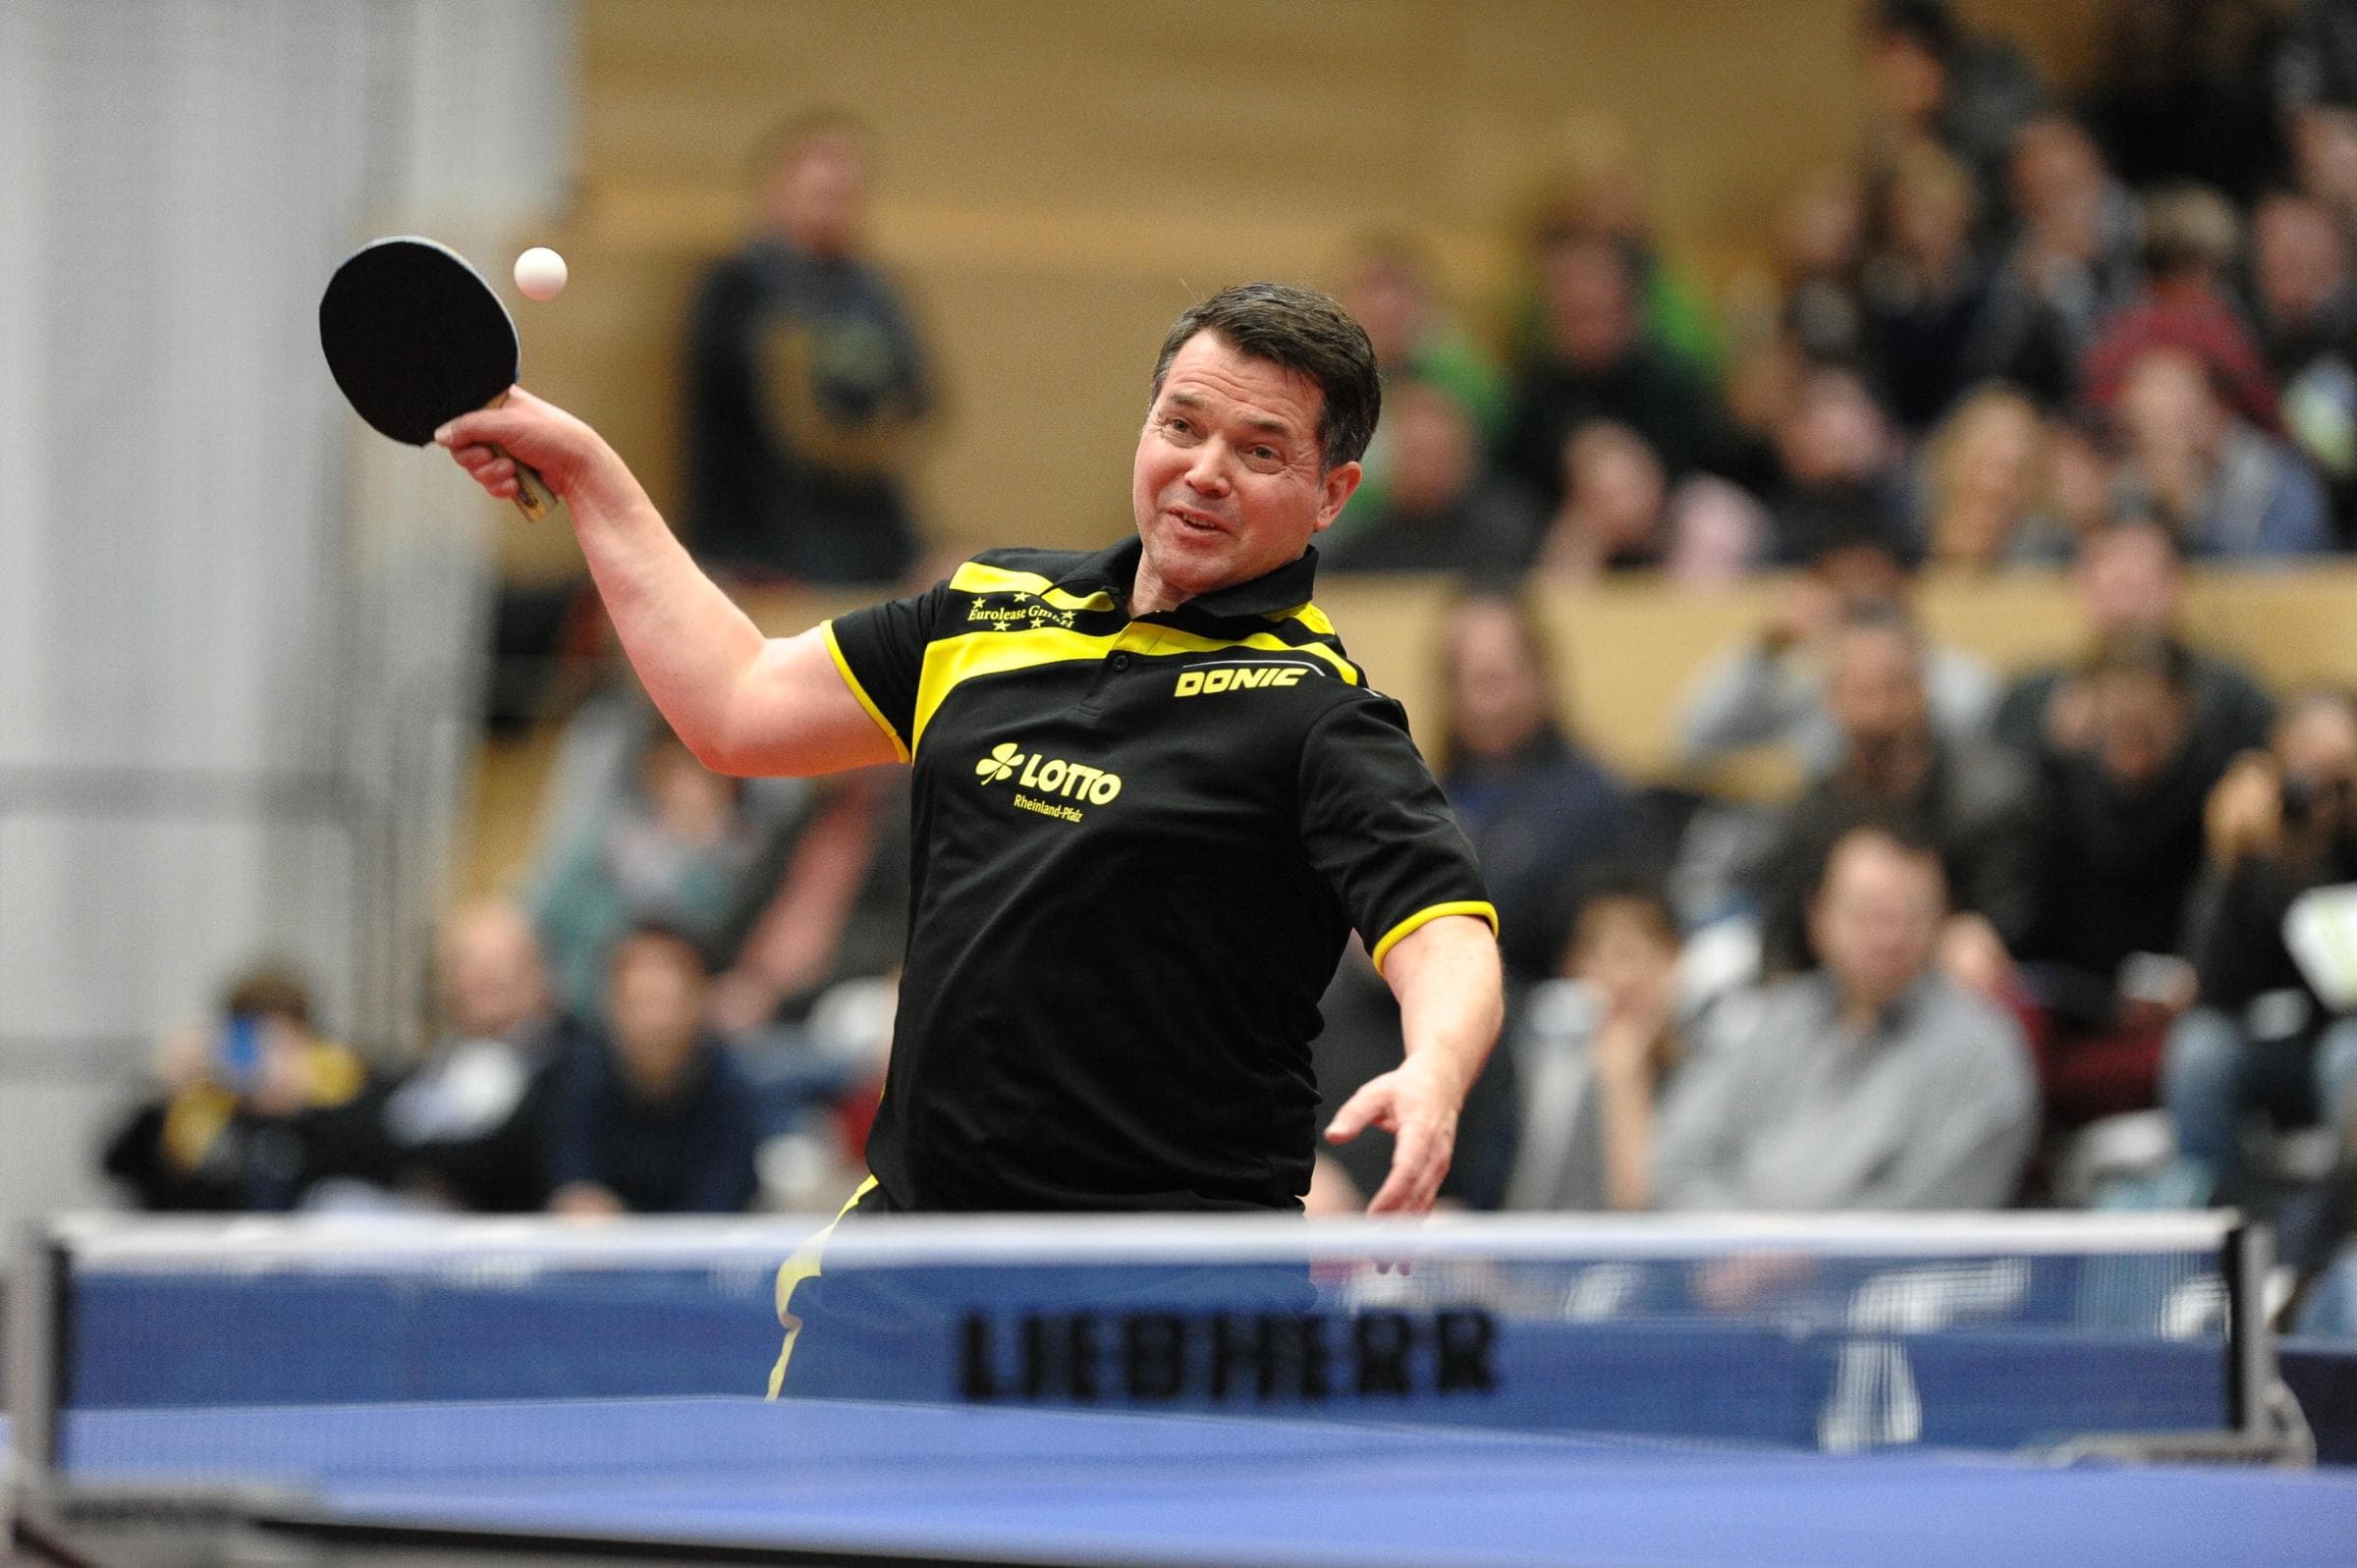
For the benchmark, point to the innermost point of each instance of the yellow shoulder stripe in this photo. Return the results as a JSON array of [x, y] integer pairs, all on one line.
[[951, 660], [976, 577], [843, 667], [1311, 617], [1475, 907]]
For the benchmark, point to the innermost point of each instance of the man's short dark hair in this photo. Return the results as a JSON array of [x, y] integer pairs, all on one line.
[[2142, 651], [1927, 23], [1302, 331], [787, 137], [1883, 616], [2132, 520], [671, 934], [270, 992], [1894, 832], [1623, 890]]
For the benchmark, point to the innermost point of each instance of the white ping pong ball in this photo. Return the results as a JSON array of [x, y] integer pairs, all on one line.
[[540, 273]]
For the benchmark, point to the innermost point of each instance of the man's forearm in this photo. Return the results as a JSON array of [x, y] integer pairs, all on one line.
[[1446, 976], [1451, 998], [742, 702], [690, 645]]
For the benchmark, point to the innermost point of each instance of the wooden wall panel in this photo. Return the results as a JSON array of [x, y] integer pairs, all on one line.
[[1062, 177], [1628, 652]]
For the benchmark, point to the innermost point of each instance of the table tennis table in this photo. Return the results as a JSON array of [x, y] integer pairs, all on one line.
[[351, 1426], [807, 1482]]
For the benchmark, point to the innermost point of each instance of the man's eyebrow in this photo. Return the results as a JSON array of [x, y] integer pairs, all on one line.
[[1264, 424]]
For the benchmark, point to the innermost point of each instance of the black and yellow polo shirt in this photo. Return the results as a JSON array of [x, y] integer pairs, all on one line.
[[1140, 844]]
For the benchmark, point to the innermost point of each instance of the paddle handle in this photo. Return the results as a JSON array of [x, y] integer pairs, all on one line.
[[533, 496]]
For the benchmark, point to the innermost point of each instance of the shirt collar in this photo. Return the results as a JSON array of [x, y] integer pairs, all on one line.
[[1113, 569], [1896, 1017]]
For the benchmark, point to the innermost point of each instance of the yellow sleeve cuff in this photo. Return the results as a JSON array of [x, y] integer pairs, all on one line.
[[1475, 907], [843, 667]]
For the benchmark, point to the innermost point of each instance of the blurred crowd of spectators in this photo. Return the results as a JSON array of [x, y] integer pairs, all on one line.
[[2104, 335], [2020, 334]]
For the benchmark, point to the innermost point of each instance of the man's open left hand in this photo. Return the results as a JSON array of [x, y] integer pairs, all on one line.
[[1421, 1115]]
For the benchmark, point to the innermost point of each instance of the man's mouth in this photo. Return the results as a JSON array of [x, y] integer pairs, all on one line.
[[1194, 521]]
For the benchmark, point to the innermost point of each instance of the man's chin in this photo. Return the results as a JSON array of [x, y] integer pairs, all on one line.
[[1192, 562]]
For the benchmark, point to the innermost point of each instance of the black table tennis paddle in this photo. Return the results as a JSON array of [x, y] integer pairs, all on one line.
[[415, 337]]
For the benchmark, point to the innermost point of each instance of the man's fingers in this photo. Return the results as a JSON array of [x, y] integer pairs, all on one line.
[[482, 464], [1370, 1105], [1418, 1164], [537, 436], [515, 414], [1397, 1195], [484, 428], [487, 465]]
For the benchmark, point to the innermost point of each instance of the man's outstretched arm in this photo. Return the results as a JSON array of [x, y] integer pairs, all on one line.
[[1451, 1000], [742, 702]]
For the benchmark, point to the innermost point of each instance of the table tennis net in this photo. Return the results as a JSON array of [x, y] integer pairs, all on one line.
[[1842, 1335]]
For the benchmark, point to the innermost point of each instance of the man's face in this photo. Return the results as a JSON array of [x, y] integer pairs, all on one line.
[[2317, 747], [656, 1001], [2130, 581], [1629, 959], [2166, 410], [819, 192], [1433, 454], [1874, 689], [1877, 921], [1591, 303], [1835, 433], [1388, 300], [1905, 79], [1228, 483], [492, 979], [1498, 694], [1931, 220], [1617, 482], [2299, 260], [2053, 166], [1821, 226]]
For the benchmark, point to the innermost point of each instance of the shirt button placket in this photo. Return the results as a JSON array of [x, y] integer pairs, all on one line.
[[1116, 664]]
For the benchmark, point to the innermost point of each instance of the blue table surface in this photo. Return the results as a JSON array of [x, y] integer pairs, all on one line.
[[1163, 1489]]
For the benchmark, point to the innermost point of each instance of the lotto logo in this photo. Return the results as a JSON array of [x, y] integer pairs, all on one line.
[[1050, 776], [1236, 678]]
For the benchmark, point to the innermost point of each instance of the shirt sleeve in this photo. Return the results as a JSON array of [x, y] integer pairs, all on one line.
[[880, 653], [1376, 827]]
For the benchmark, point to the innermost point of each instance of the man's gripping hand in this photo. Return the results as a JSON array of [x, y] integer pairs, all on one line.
[[568, 455]]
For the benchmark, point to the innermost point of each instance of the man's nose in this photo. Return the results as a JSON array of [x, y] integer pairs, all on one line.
[[1208, 473]]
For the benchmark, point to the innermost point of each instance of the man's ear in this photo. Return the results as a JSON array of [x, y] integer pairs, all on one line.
[[1340, 481]]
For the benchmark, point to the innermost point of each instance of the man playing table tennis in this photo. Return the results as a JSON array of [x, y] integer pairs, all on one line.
[[1151, 799]]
